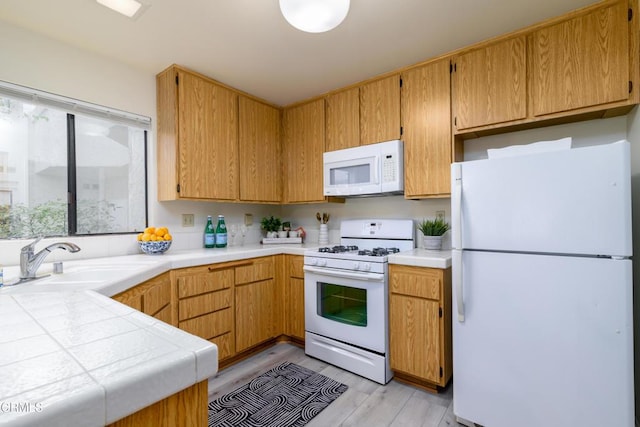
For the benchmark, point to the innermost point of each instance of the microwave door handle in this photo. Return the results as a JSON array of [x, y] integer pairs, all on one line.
[[375, 165]]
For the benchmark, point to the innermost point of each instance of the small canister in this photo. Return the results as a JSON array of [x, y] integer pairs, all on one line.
[[57, 267]]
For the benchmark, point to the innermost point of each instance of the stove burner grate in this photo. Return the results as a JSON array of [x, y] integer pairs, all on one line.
[[338, 249], [379, 251]]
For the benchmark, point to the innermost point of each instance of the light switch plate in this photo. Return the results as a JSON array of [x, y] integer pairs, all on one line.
[[248, 219], [187, 220]]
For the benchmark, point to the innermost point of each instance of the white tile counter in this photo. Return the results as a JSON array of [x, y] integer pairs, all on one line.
[[422, 258], [83, 359]]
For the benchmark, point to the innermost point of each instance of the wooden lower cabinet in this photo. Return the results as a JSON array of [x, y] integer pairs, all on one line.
[[236, 305], [205, 304], [152, 297], [294, 297], [420, 324], [187, 408], [230, 304], [254, 313]]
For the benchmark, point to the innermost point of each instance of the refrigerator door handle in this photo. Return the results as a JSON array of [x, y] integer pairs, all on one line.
[[456, 211], [456, 259]]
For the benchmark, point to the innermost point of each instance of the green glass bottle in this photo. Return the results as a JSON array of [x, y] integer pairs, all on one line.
[[221, 233], [209, 234]]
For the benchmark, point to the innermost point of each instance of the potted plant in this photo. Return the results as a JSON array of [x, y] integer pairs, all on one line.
[[270, 225], [433, 231]]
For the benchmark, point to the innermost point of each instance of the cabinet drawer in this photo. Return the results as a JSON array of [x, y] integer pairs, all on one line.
[[259, 269], [157, 296], [203, 280], [415, 281], [210, 325], [205, 303], [296, 264]]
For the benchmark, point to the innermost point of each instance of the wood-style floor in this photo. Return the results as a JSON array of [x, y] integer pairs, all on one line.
[[365, 403]]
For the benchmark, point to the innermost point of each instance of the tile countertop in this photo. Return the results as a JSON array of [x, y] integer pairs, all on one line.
[[83, 359], [422, 258]]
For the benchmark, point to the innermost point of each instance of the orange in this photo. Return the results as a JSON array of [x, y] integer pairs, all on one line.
[[161, 231], [167, 236], [150, 230], [140, 237]]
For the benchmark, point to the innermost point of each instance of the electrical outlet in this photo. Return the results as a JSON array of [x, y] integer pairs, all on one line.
[[187, 220], [440, 215], [248, 219]]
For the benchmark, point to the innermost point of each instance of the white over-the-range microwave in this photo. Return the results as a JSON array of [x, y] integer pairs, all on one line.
[[367, 170]]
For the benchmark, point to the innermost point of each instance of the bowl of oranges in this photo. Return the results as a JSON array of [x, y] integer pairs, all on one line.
[[154, 240]]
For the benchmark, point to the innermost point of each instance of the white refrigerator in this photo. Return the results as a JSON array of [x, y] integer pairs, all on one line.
[[542, 289]]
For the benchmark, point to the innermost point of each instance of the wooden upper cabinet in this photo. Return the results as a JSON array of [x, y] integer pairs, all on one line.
[[582, 62], [489, 84], [197, 137], [380, 110], [343, 119], [260, 151], [208, 117], [303, 145], [426, 115]]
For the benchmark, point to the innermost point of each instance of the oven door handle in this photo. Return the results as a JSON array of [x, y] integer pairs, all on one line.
[[371, 277]]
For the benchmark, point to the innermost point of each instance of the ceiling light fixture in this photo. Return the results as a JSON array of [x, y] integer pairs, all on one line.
[[314, 16], [126, 7]]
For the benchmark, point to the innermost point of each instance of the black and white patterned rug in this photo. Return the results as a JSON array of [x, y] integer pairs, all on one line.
[[287, 395]]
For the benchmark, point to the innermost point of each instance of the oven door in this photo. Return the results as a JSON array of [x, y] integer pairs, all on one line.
[[347, 306]]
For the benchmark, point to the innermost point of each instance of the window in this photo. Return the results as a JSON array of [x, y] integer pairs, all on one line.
[[69, 168]]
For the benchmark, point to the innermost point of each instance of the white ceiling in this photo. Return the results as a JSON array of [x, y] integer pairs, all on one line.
[[247, 44]]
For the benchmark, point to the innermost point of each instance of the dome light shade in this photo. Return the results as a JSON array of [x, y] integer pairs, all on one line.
[[314, 16]]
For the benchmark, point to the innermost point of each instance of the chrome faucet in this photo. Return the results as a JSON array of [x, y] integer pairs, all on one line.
[[30, 262]]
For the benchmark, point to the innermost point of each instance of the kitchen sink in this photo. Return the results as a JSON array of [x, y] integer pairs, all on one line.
[[87, 275]]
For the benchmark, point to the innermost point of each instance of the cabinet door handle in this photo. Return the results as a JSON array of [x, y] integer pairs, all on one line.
[[222, 267]]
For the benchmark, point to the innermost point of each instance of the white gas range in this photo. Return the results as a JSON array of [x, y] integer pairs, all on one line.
[[346, 296]]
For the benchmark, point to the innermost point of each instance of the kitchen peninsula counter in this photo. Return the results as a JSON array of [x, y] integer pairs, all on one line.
[[83, 359]]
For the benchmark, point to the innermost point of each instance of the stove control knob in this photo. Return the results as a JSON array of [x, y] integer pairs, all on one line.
[[366, 266], [356, 265], [313, 261], [322, 262]]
